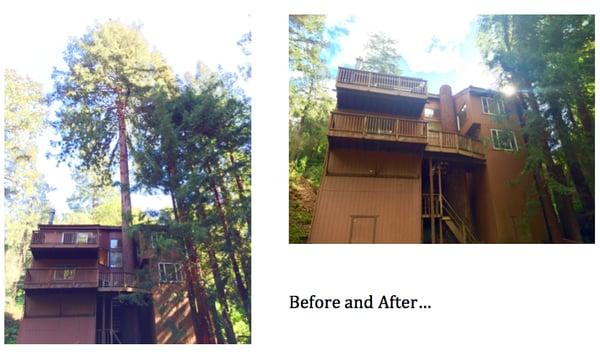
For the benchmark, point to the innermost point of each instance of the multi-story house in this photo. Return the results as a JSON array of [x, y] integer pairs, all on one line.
[[81, 286], [407, 166]]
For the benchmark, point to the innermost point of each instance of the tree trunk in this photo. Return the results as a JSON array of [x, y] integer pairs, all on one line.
[[226, 200], [242, 290], [196, 291], [564, 201], [219, 284], [216, 322], [540, 183], [128, 258], [240, 187], [571, 157]]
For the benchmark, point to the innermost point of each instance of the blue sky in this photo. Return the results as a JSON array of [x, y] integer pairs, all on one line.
[[184, 32], [453, 60]]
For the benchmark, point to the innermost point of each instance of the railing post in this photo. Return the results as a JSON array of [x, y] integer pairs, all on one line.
[[441, 139], [456, 141], [365, 126]]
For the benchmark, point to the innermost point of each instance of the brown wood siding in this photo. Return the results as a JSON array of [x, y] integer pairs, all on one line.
[[350, 190], [372, 163], [62, 330]]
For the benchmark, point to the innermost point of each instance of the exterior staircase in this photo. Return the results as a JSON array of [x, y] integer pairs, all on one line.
[[443, 209]]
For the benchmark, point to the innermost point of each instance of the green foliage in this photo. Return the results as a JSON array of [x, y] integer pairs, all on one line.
[[309, 97], [111, 63], [300, 216], [25, 203], [549, 59], [11, 329], [381, 55]]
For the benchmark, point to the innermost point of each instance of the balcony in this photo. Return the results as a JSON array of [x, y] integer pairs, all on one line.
[[64, 245], [385, 83], [117, 281], [447, 142], [373, 127], [61, 278], [79, 278], [413, 132], [376, 92]]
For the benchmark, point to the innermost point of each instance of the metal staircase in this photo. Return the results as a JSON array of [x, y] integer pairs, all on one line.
[[442, 209]]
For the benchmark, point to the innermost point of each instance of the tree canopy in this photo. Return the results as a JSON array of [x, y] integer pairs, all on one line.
[[549, 59]]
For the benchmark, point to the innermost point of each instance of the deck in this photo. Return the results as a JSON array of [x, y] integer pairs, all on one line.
[[387, 128], [381, 83], [79, 278]]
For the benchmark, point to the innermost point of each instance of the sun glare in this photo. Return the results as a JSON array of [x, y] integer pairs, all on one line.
[[509, 90]]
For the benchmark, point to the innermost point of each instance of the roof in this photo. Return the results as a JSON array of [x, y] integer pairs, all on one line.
[[77, 226], [476, 90]]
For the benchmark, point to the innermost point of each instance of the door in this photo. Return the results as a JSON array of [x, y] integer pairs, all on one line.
[[362, 229]]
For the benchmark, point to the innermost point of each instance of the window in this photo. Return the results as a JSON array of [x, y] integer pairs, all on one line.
[[492, 106], [64, 273], [82, 238], [115, 259], [115, 243], [461, 116], [169, 272], [431, 113], [504, 140], [115, 255]]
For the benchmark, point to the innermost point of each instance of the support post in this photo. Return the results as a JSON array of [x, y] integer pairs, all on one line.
[[431, 218], [439, 170]]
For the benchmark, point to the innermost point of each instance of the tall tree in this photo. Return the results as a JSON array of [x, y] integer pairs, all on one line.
[[310, 99], [25, 203], [183, 148], [381, 55], [110, 72], [550, 61]]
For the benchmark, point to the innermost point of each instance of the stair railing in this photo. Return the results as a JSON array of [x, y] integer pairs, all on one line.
[[467, 234]]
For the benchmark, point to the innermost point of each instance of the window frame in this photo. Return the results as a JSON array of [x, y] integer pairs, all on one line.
[[500, 107], [496, 132], [63, 269], [163, 275]]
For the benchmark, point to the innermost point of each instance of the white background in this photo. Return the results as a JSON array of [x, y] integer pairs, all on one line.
[[490, 303]]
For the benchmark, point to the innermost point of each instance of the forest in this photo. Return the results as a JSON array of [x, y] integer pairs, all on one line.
[[127, 123], [547, 59]]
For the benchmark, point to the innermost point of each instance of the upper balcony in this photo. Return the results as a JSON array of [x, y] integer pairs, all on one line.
[[412, 132], [78, 278], [376, 92], [67, 244]]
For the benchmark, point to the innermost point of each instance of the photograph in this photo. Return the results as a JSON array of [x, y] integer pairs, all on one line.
[[127, 177], [473, 129]]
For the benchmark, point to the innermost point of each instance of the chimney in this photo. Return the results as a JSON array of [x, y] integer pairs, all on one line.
[[447, 111], [51, 218]]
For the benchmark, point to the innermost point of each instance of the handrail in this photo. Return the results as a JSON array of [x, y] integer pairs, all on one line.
[[377, 125], [450, 212], [456, 218], [117, 279], [38, 238], [383, 81], [61, 277]]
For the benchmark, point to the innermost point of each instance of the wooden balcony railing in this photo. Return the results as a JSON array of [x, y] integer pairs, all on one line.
[[437, 208], [448, 141], [77, 277], [67, 239], [382, 81], [347, 124], [61, 277], [118, 279], [378, 125]]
